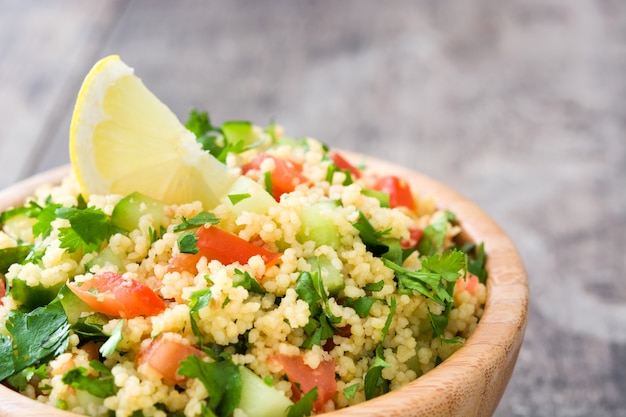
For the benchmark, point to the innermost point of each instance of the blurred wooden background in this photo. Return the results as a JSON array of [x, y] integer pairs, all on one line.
[[520, 105]]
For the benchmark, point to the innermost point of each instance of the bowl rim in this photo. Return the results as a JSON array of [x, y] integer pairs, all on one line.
[[481, 367]]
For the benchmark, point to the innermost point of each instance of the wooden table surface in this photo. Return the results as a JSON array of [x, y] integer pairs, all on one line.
[[520, 105]]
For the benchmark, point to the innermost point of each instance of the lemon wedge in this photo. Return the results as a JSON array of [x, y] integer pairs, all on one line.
[[124, 139]]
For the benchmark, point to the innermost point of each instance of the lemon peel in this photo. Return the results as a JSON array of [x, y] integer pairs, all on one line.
[[124, 139]]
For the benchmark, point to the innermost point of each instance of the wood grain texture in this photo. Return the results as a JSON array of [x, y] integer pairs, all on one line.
[[468, 384]]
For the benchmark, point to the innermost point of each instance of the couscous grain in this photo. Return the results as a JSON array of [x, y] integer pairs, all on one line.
[[362, 287]]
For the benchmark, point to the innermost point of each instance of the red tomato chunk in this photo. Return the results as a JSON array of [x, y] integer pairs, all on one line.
[[399, 191], [343, 164], [112, 294], [304, 378], [285, 175], [164, 356], [468, 283], [216, 244]]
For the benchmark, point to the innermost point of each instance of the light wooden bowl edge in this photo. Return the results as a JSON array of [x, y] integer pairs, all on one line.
[[469, 383]]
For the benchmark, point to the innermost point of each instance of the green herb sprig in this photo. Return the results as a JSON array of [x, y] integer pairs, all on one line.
[[322, 321], [33, 338]]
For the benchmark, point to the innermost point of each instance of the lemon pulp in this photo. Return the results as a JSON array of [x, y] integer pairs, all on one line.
[[124, 139]]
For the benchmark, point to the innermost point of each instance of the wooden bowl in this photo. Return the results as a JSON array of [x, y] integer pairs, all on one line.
[[469, 383]]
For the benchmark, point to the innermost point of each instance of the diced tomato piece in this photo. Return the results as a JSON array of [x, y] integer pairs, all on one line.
[[399, 191], [343, 164], [112, 294], [304, 378], [3, 288], [216, 244], [468, 283], [414, 238], [285, 175], [165, 355], [184, 262]]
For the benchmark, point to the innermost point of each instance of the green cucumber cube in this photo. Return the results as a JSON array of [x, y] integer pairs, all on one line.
[[130, 209], [106, 256], [259, 399], [331, 276], [247, 195], [317, 224]]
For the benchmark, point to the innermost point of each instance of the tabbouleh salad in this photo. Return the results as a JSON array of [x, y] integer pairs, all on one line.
[[314, 285]]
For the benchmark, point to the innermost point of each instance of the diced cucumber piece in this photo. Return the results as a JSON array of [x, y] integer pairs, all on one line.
[[74, 307], [106, 256], [240, 131], [247, 195], [130, 209], [14, 222], [317, 224], [331, 276], [381, 196], [259, 399], [13, 255], [87, 400], [32, 297]]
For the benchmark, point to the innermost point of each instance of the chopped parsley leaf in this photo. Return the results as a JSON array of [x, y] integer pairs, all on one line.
[[231, 137], [199, 300], [222, 381], [477, 259], [374, 286], [371, 237], [113, 341], [34, 337], [305, 288], [187, 243], [89, 228], [245, 280], [240, 136], [227, 300], [434, 235], [102, 385], [450, 265], [198, 220], [322, 321], [374, 383], [304, 406], [361, 305], [45, 217], [439, 322], [236, 198], [350, 391], [20, 380], [380, 246], [436, 278], [267, 181], [332, 169], [81, 203], [156, 234], [208, 135]]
